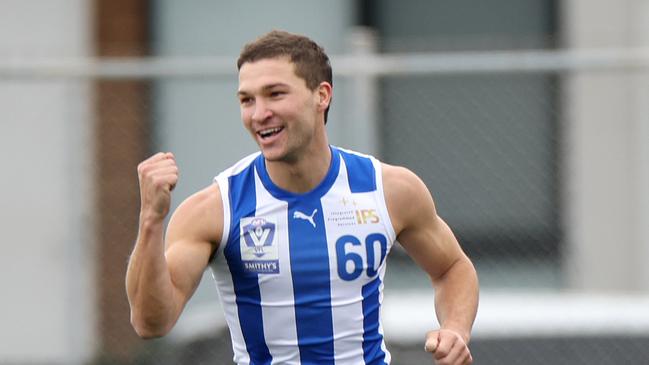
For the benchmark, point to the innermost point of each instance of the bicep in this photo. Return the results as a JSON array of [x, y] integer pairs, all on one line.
[[187, 260], [424, 235], [432, 245], [191, 238]]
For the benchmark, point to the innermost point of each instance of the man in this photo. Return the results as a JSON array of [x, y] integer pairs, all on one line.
[[296, 234]]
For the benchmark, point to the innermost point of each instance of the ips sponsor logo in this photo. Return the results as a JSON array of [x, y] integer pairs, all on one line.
[[362, 216], [366, 216], [258, 245]]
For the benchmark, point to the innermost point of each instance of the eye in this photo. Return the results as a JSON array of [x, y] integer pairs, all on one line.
[[277, 93], [245, 100]]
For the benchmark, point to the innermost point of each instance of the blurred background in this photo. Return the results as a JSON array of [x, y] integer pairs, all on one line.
[[527, 119]]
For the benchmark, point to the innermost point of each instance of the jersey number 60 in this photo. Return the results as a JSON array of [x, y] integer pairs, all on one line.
[[353, 259]]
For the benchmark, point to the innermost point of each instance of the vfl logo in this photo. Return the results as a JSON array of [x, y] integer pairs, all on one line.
[[299, 215], [258, 234], [258, 249]]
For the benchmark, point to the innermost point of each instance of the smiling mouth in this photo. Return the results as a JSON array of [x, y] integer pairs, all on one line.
[[266, 133]]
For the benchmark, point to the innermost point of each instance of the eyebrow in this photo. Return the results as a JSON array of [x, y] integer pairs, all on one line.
[[265, 88]]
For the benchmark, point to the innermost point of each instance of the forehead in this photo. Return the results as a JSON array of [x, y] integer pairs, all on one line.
[[269, 71]]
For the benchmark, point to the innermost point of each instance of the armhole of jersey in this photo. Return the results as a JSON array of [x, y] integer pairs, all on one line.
[[380, 197], [223, 180], [224, 187]]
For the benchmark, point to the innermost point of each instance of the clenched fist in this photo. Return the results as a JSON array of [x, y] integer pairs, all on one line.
[[158, 176], [448, 348]]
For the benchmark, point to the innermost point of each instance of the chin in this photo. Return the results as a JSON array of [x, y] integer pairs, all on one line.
[[277, 156], [272, 155]]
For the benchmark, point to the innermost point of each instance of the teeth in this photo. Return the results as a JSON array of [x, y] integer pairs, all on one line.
[[268, 132]]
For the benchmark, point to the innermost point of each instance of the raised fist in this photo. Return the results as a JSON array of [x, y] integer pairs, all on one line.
[[158, 176]]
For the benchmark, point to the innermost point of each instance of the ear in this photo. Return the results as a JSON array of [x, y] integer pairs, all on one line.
[[323, 95]]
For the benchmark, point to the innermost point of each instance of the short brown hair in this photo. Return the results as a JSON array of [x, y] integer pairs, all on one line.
[[310, 60]]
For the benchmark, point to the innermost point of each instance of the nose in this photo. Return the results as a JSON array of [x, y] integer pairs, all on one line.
[[260, 112]]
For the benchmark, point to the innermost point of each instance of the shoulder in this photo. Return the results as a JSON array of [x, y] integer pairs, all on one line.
[[401, 181], [406, 196], [237, 167], [203, 200], [199, 217]]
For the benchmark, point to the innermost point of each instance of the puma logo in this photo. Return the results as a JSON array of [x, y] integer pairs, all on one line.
[[299, 215]]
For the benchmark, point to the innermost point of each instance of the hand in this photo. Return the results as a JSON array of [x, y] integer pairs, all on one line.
[[448, 348], [158, 176]]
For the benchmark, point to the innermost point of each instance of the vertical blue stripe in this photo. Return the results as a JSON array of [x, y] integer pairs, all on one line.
[[310, 271], [311, 283], [372, 339], [246, 286], [363, 178]]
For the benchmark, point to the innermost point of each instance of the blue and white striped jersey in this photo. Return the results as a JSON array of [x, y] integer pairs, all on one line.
[[300, 276]]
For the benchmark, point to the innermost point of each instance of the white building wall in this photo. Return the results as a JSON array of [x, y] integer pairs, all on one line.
[[46, 269], [607, 164]]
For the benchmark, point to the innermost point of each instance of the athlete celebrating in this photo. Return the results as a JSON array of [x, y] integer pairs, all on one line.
[[296, 234]]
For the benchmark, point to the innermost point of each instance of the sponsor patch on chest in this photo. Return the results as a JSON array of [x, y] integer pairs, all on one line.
[[259, 253]]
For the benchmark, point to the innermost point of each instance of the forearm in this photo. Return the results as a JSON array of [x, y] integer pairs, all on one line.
[[148, 283], [456, 298]]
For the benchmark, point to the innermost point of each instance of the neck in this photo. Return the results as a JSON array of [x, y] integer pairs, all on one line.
[[303, 174]]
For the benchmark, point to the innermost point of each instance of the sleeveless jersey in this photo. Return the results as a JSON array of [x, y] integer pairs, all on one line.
[[300, 276]]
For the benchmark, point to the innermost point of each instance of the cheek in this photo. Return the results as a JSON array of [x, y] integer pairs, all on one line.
[[245, 118]]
